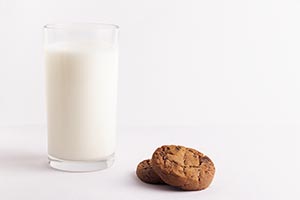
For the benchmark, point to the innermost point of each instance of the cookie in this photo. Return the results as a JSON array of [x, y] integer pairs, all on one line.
[[182, 167], [146, 173]]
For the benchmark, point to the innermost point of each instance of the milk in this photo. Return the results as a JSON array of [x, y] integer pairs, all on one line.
[[81, 100]]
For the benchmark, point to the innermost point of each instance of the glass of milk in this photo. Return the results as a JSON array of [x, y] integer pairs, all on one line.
[[81, 83]]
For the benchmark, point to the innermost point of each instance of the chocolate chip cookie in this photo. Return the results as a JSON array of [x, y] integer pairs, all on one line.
[[145, 172], [182, 167]]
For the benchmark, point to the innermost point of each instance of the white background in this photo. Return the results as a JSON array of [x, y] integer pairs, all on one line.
[[227, 68], [182, 62]]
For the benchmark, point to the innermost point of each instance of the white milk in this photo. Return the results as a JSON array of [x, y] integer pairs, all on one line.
[[81, 100]]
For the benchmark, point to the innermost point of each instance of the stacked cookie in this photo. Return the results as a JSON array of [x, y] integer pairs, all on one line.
[[178, 166]]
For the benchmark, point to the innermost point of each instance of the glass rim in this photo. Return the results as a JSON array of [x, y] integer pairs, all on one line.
[[84, 26]]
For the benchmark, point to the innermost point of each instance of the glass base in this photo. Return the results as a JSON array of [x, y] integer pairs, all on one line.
[[80, 166]]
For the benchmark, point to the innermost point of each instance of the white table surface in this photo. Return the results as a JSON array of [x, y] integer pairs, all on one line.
[[253, 161]]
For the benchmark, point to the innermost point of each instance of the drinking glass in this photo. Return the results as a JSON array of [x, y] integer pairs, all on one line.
[[81, 63]]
